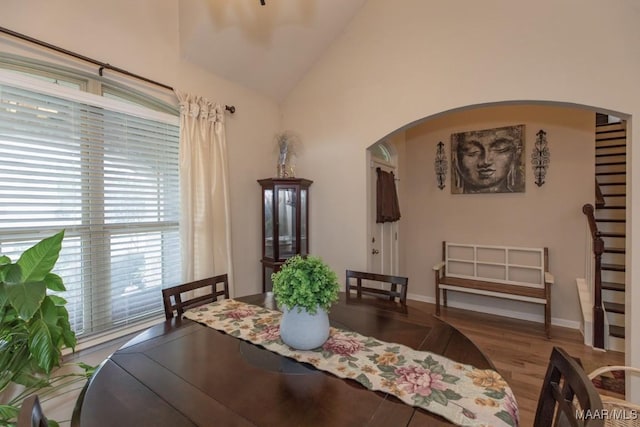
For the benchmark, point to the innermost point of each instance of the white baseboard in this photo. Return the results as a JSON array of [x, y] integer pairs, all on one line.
[[572, 324]]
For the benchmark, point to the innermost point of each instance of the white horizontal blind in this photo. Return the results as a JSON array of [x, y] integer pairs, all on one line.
[[108, 175]]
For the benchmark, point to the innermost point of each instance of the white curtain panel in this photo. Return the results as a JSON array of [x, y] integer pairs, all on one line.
[[205, 220]]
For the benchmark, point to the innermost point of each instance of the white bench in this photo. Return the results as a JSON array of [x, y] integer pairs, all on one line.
[[514, 273]]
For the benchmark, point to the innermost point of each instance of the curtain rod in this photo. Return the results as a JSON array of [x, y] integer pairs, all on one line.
[[103, 65]]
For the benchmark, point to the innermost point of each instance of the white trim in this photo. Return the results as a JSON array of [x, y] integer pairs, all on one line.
[[375, 161], [25, 82], [500, 312]]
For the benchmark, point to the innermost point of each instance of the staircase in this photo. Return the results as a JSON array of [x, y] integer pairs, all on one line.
[[610, 214]]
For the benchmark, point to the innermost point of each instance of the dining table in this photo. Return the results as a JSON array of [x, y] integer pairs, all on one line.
[[183, 373]]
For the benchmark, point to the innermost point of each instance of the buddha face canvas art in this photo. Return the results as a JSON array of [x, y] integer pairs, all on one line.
[[488, 161]]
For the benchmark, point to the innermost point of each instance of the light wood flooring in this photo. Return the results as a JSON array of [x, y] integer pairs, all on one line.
[[519, 350]]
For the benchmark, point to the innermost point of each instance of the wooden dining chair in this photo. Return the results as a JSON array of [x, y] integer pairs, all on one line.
[[31, 414], [568, 397], [174, 300], [392, 286]]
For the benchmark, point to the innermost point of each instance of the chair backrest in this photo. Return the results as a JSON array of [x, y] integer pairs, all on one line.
[[568, 397], [397, 285], [174, 300], [31, 414]]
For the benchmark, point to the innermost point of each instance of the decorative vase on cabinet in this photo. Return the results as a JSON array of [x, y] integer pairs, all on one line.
[[285, 223]]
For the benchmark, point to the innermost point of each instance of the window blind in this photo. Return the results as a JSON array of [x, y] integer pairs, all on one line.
[[107, 173]]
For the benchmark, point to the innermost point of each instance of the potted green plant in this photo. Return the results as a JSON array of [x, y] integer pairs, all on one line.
[[305, 288], [34, 326]]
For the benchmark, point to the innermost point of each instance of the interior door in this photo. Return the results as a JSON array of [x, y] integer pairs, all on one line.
[[383, 237]]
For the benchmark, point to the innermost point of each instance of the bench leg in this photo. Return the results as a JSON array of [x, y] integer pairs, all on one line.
[[547, 310], [547, 320], [437, 282]]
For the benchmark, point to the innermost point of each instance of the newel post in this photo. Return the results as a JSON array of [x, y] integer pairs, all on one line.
[[598, 312], [598, 249]]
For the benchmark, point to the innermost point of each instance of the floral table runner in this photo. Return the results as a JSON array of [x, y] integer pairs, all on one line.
[[460, 393]]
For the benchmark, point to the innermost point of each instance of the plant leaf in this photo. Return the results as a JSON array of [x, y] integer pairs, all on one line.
[[54, 282], [89, 370], [5, 262], [50, 315], [3, 295], [68, 336], [12, 274], [26, 297], [58, 301], [42, 347], [28, 378], [7, 413], [39, 259]]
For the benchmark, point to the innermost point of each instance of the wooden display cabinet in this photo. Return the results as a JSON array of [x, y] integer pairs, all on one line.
[[285, 223]]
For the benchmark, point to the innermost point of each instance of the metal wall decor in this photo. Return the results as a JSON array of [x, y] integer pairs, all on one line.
[[540, 157], [441, 165]]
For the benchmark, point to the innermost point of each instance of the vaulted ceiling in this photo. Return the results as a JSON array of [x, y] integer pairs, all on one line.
[[266, 48]]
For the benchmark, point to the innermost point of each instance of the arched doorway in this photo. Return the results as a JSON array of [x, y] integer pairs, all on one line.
[[540, 216]]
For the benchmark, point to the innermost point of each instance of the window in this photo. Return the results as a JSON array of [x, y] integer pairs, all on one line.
[[105, 171], [381, 151]]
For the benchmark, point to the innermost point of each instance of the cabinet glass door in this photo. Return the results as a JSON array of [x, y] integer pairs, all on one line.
[[287, 222], [304, 248], [268, 223]]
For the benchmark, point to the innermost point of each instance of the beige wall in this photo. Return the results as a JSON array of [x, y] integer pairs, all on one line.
[[401, 61], [142, 36], [547, 216]]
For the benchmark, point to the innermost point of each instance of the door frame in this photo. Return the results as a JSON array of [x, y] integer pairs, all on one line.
[[372, 163]]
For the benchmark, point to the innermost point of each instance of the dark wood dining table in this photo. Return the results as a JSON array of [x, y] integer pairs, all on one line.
[[182, 373]]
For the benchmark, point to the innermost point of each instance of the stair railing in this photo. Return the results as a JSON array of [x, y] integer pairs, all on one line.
[[598, 249], [600, 202]]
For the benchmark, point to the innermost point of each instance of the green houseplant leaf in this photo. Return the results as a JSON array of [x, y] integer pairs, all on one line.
[[54, 282], [25, 280], [26, 297], [41, 345], [39, 260]]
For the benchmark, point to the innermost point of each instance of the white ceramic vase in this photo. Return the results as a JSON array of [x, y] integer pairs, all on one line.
[[304, 331]]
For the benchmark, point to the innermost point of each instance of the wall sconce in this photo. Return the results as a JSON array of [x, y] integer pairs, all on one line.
[[540, 157], [441, 165]]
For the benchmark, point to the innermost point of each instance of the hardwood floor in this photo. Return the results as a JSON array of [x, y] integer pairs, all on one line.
[[519, 350]]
